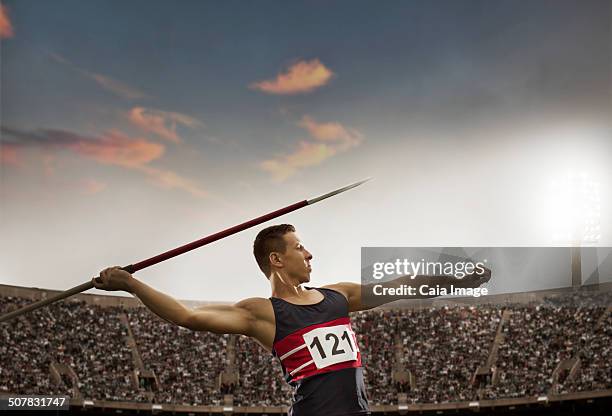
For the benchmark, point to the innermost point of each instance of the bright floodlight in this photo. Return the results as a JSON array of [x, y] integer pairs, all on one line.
[[576, 212]]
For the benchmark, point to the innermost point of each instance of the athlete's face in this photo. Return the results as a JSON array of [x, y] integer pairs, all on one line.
[[296, 258]]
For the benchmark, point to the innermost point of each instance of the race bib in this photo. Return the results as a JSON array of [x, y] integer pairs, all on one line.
[[331, 345]]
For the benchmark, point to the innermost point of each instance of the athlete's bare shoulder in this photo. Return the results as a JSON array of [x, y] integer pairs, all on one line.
[[346, 288], [352, 293], [255, 302], [259, 307], [264, 323]]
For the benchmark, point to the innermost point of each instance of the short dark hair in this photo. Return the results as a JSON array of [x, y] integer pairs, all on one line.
[[268, 240]]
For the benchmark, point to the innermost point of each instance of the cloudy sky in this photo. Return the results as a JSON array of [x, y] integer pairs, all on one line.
[[129, 128]]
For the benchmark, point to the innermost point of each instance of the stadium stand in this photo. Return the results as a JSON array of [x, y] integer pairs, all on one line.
[[116, 352]]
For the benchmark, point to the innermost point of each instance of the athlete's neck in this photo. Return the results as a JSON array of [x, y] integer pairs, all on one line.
[[284, 287]]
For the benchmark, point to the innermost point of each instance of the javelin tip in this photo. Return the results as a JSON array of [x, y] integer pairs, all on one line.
[[337, 191]]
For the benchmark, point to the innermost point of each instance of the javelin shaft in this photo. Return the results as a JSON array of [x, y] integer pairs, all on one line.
[[44, 302], [132, 268]]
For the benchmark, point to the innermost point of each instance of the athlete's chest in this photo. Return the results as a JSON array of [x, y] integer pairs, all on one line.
[[307, 298], [318, 348]]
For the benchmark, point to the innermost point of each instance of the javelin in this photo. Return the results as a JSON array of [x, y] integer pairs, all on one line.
[[133, 268]]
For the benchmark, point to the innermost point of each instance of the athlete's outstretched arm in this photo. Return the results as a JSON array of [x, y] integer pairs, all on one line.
[[354, 291], [221, 319], [239, 318]]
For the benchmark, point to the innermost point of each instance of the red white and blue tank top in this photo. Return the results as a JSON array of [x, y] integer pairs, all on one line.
[[319, 356]]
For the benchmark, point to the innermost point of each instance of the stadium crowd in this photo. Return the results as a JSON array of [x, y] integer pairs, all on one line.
[[260, 377], [439, 347], [537, 338], [596, 349], [375, 341], [187, 363], [89, 339], [443, 347]]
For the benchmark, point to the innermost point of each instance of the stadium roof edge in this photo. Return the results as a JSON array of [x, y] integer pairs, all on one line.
[[132, 302]]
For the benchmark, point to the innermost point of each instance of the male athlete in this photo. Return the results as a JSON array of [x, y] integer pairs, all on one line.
[[308, 329]]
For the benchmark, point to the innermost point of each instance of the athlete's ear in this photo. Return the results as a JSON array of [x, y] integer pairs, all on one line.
[[275, 259]]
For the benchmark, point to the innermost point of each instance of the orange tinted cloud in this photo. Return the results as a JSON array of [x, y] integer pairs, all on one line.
[[111, 148], [330, 132], [49, 164], [116, 87], [329, 139], [307, 154], [6, 28], [92, 186], [301, 77], [8, 155], [115, 148], [172, 180], [162, 123]]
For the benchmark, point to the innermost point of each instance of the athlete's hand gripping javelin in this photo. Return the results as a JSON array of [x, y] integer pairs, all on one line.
[[114, 278]]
